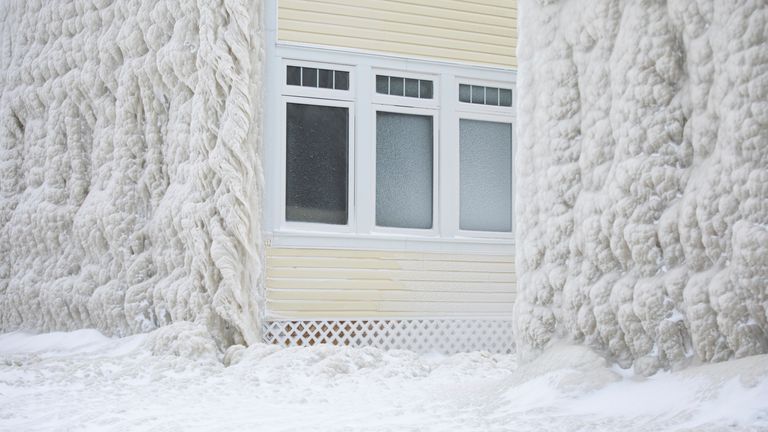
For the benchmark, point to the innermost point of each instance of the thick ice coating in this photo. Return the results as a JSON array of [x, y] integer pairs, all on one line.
[[129, 167], [642, 178]]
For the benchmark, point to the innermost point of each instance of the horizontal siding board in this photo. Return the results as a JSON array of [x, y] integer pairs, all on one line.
[[407, 275], [385, 17], [477, 32], [403, 29], [390, 295], [428, 41], [374, 263], [394, 255], [387, 306], [382, 284]]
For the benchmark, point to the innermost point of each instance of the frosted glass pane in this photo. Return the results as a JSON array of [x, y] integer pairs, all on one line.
[[411, 87], [341, 80], [478, 94], [317, 146], [382, 84], [505, 97], [403, 170], [425, 89], [485, 175], [464, 93], [396, 86], [293, 75], [325, 78]]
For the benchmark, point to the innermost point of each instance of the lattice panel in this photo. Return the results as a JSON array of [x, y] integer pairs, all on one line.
[[426, 335]]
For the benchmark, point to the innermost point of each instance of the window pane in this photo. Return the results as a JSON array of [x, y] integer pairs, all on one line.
[[326, 78], [485, 175], [317, 146], [411, 87], [491, 96], [309, 77], [396, 86], [342, 80], [425, 90], [293, 75], [403, 170], [478, 94], [505, 97], [464, 93], [382, 84]]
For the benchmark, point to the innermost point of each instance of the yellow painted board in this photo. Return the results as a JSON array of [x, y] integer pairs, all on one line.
[[291, 7], [364, 307], [321, 314], [398, 48], [396, 255], [475, 32], [383, 284], [374, 263], [409, 275], [425, 41], [390, 295], [415, 8], [404, 31]]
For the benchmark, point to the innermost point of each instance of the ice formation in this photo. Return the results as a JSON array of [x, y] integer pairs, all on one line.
[[129, 167], [642, 167]]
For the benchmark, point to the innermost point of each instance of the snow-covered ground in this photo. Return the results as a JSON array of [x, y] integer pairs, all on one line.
[[171, 380]]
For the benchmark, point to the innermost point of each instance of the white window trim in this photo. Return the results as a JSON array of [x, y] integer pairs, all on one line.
[[286, 225], [435, 230], [490, 117]]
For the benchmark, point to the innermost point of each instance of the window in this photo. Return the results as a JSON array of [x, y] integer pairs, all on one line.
[[381, 154], [317, 163]]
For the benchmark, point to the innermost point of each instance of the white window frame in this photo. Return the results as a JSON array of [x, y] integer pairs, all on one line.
[[363, 101], [435, 230], [497, 117], [287, 225]]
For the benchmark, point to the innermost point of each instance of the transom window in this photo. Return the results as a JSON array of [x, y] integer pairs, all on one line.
[[483, 95]]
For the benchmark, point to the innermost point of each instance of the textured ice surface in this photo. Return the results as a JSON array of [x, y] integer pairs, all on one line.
[[84, 381], [642, 168], [129, 166]]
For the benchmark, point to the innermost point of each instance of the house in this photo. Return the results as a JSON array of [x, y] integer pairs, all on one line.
[[388, 155]]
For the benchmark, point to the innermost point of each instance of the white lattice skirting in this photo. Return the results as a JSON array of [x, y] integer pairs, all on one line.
[[446, 336]]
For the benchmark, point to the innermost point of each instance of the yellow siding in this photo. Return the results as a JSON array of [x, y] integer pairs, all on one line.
[[336, 284], [478, 31]]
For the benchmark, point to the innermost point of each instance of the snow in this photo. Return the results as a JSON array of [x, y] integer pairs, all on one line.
[[86, 381], [642, 179], [129, 168]]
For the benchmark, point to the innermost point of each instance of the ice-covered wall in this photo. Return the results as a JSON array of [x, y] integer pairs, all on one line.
[[642, 167], [129, 165]]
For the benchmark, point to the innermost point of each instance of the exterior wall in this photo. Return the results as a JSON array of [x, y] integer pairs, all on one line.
[[129, 166], [335, 283], [642, 171], [483, 31]]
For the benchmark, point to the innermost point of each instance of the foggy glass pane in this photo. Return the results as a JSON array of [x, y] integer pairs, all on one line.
[[464, 93], [382, 84], [491, 96], [342, 80], [505, 97], [309, 77], [425, 90], [293, 75], [404, 170], [478, 94], [396, 86], [411, 87], [317, 153], [326, 78], [485, 175]]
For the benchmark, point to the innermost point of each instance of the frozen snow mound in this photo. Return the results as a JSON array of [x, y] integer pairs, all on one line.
[[129, 165], [642, 179]]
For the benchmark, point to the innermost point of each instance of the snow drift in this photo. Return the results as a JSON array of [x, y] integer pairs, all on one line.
[[642, 167], [129, 169]]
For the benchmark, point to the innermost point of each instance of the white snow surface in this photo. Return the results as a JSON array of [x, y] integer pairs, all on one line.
[[642, 179], [129, 169], [85, 381]]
